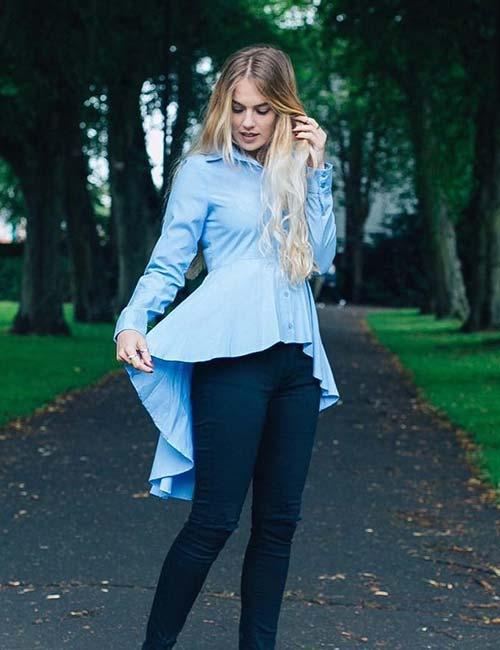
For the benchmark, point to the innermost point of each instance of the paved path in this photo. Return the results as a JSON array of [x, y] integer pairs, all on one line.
[[397, 549]]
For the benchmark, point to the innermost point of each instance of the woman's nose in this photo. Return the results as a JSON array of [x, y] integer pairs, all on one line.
[[248, 121]]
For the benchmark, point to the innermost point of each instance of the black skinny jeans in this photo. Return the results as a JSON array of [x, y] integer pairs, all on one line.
[[254, 416]]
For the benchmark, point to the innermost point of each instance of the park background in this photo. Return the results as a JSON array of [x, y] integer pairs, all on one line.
[[98, 99]]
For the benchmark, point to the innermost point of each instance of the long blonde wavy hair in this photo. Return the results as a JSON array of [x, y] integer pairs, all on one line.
[[284, 176]]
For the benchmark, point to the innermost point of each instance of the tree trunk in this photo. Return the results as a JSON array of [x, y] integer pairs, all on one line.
[[482, 216], [171, 32], [92, 289], [356, 214], [136, 204], [42, 179], [441, 263], [494, 287], [451, 265], [182, 31], [353, 283], [482, 230]]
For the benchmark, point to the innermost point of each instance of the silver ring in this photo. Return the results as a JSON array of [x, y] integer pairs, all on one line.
[[132, 356]]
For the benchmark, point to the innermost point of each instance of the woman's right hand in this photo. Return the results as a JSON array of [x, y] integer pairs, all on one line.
[[132, 348]]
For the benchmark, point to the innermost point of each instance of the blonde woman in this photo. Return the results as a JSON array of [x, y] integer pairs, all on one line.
[[234, 377]]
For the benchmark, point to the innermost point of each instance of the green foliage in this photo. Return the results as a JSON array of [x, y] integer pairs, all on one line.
[[413, 54], [38, 368], [457, 373]]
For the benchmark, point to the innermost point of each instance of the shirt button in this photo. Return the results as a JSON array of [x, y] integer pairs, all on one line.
[[290, 325], [286, 294]]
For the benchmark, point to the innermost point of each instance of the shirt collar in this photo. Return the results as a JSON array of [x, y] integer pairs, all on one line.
[[238, 154]]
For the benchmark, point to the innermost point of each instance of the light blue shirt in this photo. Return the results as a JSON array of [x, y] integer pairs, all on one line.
[[243, 304]]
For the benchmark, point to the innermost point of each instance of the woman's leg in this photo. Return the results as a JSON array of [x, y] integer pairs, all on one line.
[[279, 479], [229, 399]]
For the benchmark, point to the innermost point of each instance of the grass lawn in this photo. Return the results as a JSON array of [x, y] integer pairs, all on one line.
[[457, 373], [37, 368]]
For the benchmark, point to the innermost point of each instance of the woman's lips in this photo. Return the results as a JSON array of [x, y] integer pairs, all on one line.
[[249, 136]]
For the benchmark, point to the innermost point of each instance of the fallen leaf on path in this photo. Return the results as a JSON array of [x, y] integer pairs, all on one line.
[[82, 612], [440, 585], [335, 576]]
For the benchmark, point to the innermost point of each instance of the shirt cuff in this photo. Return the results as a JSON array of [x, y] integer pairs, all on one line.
[[131, 319], [320, 180]]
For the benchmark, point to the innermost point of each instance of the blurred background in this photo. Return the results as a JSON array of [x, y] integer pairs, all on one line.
[[98, 98]]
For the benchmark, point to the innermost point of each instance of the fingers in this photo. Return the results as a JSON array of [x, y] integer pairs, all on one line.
[[146, 357], [136, 359], [308, 132], [305, 135], [301, 118], [305, 126], [308, 129], [306, 121], [132, 349]]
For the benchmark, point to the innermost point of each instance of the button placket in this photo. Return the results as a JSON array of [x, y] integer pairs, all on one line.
[[286, 293]]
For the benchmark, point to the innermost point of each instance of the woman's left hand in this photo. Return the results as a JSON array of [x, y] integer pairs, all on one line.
[[306, 128]]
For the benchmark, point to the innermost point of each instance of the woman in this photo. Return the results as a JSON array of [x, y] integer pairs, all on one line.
[[234, 377]]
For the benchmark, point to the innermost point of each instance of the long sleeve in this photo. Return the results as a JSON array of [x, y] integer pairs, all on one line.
[[320, 215], [182, 226]]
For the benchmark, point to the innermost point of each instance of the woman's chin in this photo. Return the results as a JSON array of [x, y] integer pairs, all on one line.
[[250, 145]]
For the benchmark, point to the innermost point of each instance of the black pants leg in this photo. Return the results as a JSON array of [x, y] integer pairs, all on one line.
[[279, 478], [254, 416]]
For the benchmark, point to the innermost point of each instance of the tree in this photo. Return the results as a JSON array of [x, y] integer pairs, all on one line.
[[400, 47]]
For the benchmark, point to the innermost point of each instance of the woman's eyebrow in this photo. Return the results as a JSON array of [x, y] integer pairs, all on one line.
[[256, 105]]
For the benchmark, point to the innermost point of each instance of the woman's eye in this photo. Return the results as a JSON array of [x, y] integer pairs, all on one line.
[[240, 110]]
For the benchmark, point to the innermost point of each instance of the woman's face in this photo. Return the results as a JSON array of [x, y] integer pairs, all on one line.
[[251, 114]]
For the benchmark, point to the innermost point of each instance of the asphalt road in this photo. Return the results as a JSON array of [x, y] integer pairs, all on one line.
[[398, 545]]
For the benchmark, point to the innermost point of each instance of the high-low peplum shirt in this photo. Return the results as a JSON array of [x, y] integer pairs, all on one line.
[[244, 304]]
